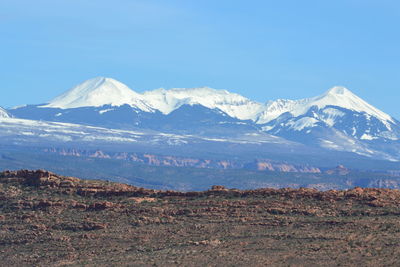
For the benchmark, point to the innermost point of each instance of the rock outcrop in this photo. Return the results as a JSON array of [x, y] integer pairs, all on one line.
[[70, 185]]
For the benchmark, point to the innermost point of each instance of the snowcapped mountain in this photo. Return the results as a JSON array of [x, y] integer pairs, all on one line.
[[98, 92], [335, 120], [3, 113], [338, 108], [102, 91], [337, 96], [106, 102], [232, 104], [343, 98]]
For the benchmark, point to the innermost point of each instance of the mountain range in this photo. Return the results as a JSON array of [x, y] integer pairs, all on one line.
[[162, 138], [100, 92], [337, 120]]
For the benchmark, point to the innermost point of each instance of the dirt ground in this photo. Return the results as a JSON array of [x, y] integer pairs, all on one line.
[[49, 220]]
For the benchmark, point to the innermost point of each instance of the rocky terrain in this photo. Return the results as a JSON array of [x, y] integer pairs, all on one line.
[[51, 220]]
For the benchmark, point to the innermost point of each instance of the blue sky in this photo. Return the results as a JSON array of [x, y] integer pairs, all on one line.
[[261, 49]]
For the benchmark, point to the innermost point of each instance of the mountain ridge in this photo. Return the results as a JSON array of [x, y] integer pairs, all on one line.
[[107, 91], [336, 120]]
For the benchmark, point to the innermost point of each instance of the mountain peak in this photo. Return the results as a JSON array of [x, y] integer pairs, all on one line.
[[97, 92], [337, 96], [99, 80], [339, 90], [342, 97]]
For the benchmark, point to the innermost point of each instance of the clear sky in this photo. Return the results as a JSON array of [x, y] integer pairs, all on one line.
[[263, 50]]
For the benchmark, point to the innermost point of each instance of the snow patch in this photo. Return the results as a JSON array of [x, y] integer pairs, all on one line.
[[367, 137], [333, 112], [389, 135], [306, 122], [105, 110]]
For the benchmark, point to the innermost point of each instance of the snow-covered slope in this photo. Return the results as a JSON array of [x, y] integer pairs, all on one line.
[[3, 113], [33, 132], [352, 132], [338, 109], [344, 98], [274, 109], [336, 96], [99, 92], [233, 104], [20, 131]]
